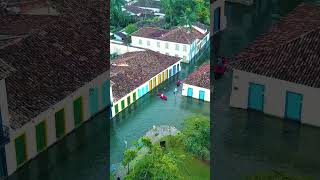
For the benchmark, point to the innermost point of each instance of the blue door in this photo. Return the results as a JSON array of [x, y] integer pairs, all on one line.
[[293, 106], [256, 97], [201, 95], [170, 72], [174, 69], [93, 100], [139, 93], [105, 93], [217, 13], [190, 92]]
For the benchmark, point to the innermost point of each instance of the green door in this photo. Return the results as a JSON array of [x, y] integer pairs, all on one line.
[[122, 105], [116, 108], [129, 100], [293, 106], [134, 96], [105, 93], [93, 100], [77, 111], [256, 97], [41, 136], [60, 123], [21, 149]]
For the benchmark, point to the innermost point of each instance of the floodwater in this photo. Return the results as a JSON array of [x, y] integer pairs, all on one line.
[[82, 155], [247, 142], [151, 110]]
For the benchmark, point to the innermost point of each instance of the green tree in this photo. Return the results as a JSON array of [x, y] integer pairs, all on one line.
[[131, 28], [156, 165], [146, 142], [196, 136], [129, 155]]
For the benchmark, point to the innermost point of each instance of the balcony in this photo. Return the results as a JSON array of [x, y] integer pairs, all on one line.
[[4, 136]]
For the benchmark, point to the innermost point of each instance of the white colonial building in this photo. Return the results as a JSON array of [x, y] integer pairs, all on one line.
[[135, 74], [180, 42], [280, 76], [197, 84]]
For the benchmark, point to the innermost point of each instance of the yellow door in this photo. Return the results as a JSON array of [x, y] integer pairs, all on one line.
[[163, 76], [150, 84], [159, 79], [154, 82], [167, 74]]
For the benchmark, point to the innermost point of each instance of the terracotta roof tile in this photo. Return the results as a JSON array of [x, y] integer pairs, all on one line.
[[297, 61], [301, 20], [178, 34], [200, 77], [51, 64], [131, 70]]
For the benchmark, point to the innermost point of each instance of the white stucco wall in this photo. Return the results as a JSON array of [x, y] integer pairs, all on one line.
[[4, 103], [49, 116], [223, 17], [171, 50], [275, 96], [196, 91], [120, 48]]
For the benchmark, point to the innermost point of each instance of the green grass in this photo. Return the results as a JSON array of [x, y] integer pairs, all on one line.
[[191, 167]]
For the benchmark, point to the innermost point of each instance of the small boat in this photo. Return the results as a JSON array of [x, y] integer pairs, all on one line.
[[159, 94], [163, 97], [220, 68]]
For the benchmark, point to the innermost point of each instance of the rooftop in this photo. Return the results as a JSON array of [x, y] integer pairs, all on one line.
[[297, 61], [15, 25], [306, 15], [131, 70], [5, 69], [52, 63], [178, 34], [200, 77]]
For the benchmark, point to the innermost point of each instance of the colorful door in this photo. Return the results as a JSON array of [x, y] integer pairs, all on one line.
[[21, 149], [129, 100], [174, 69], [122, 105], [93, 100], [201, 95], [77, 111], [190, 92], [105, 93], [41, 136], [150, 84], [170, 72], [217, 14], [178, 67], [256, 97], [167, 73], [60, 123], [293, 106], [116, 108], [134, 96]]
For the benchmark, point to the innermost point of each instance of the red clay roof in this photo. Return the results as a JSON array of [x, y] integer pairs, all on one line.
[[51, 64], [302, 19], [178, 34], [297, 61], [23, 24], [131, 70], [200, 77]]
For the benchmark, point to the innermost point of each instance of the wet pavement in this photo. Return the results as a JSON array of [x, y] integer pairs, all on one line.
[[246, 142]]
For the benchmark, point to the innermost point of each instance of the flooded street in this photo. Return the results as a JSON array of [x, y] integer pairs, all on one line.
[[246, 142]]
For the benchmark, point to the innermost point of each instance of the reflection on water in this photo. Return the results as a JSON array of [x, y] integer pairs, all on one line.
[[245, 141]]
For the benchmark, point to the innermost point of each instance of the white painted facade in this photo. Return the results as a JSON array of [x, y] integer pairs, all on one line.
[[275, 96], [223, 18], [4, 103], [120, 48], [49, 117], [196, 91], [184, 51], [146, 84]]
